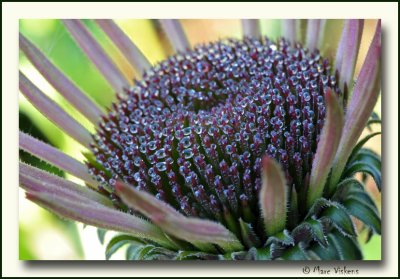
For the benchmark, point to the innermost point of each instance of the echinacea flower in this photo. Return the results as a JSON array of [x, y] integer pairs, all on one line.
[[235, 149]]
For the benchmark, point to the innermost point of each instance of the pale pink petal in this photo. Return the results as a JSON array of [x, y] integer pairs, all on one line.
[[176, 35], [131, 52], [53, 111], [315, 33], [98, 56], [346, 55], [55, 157], [99, 216], [60, 82], [290, 30], [34, 179], [251, 28]]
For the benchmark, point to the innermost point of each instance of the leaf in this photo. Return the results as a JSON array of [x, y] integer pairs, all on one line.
[[360, 144], [295, 253], [347, 248], [283, 238], [201, 233], [101, 234], [249, 237], [340, 219], [310, 230], [328, 253], [364, 167], [118, 241], [364, 212]]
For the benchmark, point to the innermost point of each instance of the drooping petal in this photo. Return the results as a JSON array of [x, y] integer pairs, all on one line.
[[53, 111], [273, 196], [60, 82], [361, 105], [315, 33], [55, 157], [135, 57], [98, 56], [346, 55], [176, 35], [290, 30], [99, 216], [327, 147], [251, 28], [35, 179], [193, 230]]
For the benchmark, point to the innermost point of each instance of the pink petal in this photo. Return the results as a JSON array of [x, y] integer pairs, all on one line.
[[251, 28], [98, 56], [176, 35], [135, 57], [361, 105], [327, 147], [54, 112], [55, 157], [99, 216], [347, 53], [60, 82], [34, 179], [290, 30], [315, 33]]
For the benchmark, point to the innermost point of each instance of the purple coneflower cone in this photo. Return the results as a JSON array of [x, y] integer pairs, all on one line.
[[194, 130]]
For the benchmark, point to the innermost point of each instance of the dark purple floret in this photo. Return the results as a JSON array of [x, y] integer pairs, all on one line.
[[194, 130]]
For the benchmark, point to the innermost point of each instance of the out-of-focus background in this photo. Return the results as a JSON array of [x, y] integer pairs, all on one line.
[[42, 235]]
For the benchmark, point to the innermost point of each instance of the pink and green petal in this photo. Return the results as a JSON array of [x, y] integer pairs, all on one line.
[[196, 231], [273, 196], [327, 147]]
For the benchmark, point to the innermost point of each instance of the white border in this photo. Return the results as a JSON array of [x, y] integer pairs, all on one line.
[[11, 12]]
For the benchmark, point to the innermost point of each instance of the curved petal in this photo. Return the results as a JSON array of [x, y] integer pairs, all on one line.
[[327, 147], [361, 105], [273, 196], [99, 216]]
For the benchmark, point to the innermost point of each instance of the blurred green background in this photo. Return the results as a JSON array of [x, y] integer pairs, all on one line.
[[42, 235]]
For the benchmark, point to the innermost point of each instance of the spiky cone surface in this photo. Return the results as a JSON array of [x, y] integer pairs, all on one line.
[[237, 149]]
